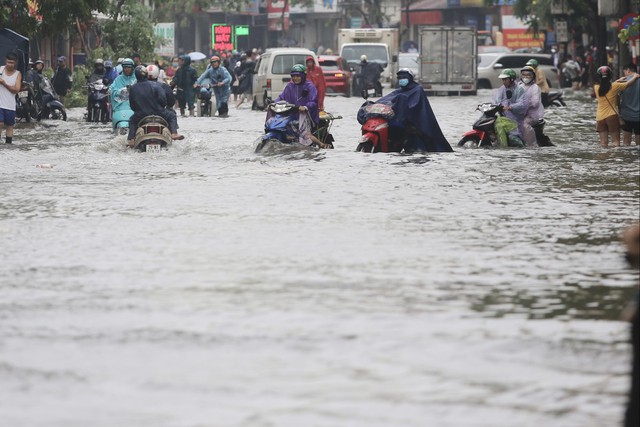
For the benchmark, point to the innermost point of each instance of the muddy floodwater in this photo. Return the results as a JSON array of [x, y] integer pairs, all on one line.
[[210, 286]]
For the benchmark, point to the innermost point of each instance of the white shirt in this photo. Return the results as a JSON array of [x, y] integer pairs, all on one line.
[[8, 98]]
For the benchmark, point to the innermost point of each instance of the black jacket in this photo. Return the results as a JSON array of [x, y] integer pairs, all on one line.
[[147, 98]]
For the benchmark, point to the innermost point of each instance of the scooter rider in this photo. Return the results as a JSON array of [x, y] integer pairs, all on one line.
[[147, 98], [370, 75], [98, 71], [124, 80], [110, 73], [302, 93], [541, 81], [414, 122], [220, 80], [169, 113], [534, 110], [511, 96], [34, 75]]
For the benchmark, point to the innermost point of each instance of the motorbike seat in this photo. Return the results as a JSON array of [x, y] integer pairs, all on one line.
[[153, 119]]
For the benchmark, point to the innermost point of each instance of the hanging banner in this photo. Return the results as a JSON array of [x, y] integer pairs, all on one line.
[[275, 9], [165, 31], [516, 34]]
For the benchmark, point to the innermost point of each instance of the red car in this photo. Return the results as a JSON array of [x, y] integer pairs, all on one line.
[[337, 77]]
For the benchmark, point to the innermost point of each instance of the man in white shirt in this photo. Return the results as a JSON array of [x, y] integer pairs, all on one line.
[[10, 82]]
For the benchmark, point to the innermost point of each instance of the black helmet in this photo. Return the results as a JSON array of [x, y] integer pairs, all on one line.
[[604, 72], [141, 73]]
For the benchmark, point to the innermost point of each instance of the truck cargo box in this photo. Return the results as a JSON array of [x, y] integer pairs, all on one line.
[[448, 60]]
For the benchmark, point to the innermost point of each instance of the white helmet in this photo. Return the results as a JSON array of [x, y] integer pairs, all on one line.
[[363, 58], [154, 71], [407, 71]]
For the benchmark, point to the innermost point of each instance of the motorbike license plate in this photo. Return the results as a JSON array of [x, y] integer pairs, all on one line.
[[23, 94], [153, 148]]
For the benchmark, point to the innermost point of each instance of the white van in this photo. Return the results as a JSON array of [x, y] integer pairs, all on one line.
[[271, 72]]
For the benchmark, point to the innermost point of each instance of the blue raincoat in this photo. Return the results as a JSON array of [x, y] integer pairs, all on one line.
[[120, 98], [120, 82], [215, 76]]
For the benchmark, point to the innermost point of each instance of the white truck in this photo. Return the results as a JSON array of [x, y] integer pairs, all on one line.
[[380, 45], [448, 60]]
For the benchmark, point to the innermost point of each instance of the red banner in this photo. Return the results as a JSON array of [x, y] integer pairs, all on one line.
[[515, 38], [275, 11]]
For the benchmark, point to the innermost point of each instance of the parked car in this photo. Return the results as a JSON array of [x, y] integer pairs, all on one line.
[[338, 78], [490, 65], [271, 72], [410, 61]]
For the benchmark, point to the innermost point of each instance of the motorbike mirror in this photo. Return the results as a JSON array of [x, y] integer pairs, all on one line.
[[305, 92], [394, 58], [364, 94], [509, 94]]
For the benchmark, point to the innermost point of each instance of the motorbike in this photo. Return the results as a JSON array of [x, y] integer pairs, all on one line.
[[152, 135], [281, 127], [375, 129], [121, 110], [484, 134], [49, 102], [367, 80], [555, 99], [204, 95], [26, 107], [98, 105]]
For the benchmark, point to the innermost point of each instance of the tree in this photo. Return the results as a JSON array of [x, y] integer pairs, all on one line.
[[15, 15], [129, 29], [59, 15]]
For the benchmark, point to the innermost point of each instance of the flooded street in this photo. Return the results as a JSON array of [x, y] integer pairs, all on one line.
[[210, 286]]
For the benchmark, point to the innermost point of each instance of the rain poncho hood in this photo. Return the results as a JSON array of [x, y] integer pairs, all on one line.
[[304, 94], [121, 101], [412, 107], [516, 101]]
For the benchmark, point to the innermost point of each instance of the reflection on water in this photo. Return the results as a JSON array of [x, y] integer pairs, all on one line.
[[567, 302]]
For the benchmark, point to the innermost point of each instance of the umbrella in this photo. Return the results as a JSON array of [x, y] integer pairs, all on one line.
[[197, 56]]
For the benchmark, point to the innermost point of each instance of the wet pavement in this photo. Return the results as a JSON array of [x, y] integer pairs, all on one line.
[[210, 286]]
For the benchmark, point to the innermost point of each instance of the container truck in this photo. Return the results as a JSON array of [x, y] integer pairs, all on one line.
[[448, 60], [380, 45]]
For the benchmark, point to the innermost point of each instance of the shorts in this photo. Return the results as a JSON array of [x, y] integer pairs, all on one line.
[[630, 126], [609, 124], [8, 117]]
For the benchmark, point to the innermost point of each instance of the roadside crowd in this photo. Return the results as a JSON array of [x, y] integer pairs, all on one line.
[[230, 73]]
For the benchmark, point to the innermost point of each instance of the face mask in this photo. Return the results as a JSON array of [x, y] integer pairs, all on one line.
[[403, 82], [175, 64], [526, 80]]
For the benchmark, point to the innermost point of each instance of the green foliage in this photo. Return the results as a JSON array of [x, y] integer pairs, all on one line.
[[15, 15], [77, 96], [103, 53], [59, 15], [630, 31], [130, 29]]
